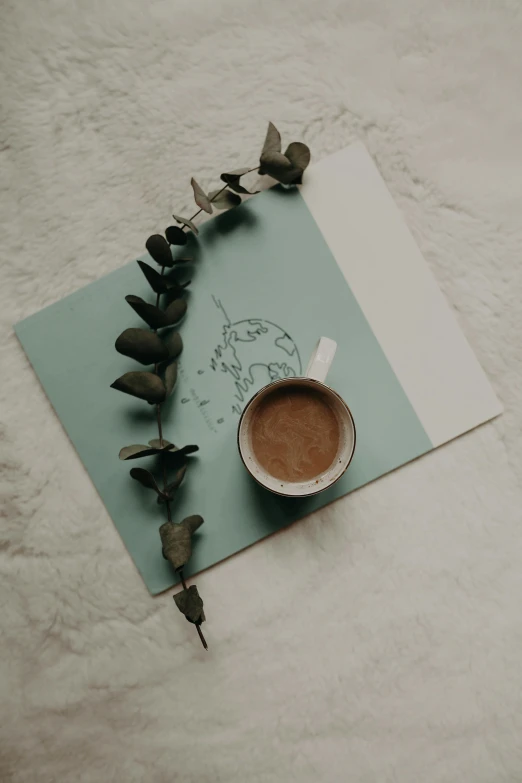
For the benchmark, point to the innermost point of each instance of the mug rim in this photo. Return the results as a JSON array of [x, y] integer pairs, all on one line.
[[284, 382]]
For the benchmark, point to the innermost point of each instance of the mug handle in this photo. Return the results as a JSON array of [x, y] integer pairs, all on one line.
[[321, 359]]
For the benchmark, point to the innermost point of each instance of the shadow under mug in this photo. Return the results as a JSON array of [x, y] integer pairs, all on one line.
[[314, 378]]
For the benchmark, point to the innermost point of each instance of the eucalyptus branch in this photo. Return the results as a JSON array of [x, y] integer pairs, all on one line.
[[163, 458], [150, 348]]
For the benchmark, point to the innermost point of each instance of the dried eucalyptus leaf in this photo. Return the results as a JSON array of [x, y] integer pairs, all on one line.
[[200, 197], [146, 478], [180, 475], [175, 291], [157, 282], [293, 176], [277, 166], [238, 188], [155, 317], [193, 522], [175, 235], [134, 451], [272, 140], [178, 457], [143, 346], [232, 179], [171, 376], [145, 385], [175, 311], [178, 272], [172, 294], [176, 543], [190, 603], [298, 154], [151, 314], [229, 176], [158, 248], [185, 451], [182, 260], [186, 222], [288, 168], [139, 450], [225, 200], [163, 284], [157, 444], [176, 539], [174, 485], [173, 344]]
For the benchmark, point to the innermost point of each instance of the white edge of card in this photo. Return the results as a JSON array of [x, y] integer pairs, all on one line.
[[398, 294]]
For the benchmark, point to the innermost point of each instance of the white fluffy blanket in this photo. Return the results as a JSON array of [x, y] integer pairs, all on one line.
[[381, 639]]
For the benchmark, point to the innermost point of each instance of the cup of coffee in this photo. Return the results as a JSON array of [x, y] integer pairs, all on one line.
[[296, 436]]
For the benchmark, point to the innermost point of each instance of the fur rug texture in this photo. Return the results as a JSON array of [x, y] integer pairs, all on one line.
[[380, 639]]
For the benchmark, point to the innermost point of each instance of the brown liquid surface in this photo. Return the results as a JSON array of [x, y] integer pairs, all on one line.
[[295, 433]]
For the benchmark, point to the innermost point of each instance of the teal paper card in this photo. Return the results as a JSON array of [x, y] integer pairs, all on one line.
[[264, 287]]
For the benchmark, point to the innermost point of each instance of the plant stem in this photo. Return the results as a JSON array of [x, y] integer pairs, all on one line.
[[200, 632], [160, 428], [163, 462]]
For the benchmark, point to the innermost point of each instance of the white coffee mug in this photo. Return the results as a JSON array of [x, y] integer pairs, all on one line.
[[315, 377]]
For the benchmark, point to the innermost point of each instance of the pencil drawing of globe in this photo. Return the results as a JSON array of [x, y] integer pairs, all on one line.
[[252, 353]]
